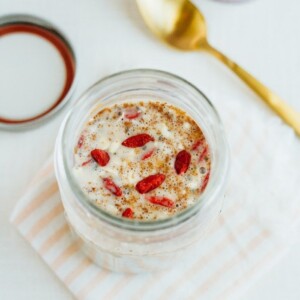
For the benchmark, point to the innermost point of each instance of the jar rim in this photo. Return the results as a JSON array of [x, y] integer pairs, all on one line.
[[211, 191]]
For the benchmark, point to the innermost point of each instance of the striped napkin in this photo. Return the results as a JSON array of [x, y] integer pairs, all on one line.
[[249, 236]]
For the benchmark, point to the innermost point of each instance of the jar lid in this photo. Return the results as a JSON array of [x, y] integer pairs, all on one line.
[[38, 67]]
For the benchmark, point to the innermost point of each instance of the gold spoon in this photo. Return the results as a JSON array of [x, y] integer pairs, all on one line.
[[180, 24]]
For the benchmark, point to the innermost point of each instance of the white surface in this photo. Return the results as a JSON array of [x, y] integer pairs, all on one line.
[[32, 75], [262, 35]]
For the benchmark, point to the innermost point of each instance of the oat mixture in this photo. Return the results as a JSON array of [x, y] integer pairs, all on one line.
[[142, 160]]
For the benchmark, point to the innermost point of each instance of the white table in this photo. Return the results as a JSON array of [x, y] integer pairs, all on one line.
[[262, 35]]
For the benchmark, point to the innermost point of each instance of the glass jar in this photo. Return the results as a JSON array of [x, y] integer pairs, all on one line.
[[122, 244]]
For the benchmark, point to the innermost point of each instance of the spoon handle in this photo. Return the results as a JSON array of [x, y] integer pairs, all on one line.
[[287, 113]]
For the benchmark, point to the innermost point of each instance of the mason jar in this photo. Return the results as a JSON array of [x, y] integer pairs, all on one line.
[[127, 245]]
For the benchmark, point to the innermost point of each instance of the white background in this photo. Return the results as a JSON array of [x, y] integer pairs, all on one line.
[[262, 35]]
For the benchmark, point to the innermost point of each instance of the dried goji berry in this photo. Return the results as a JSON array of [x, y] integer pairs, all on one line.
[[128, 213], [80, 141], [132, 113], [112, 187], [100, 156], [86, 162], [150, 183], [205, 182], [197, 145], [163, 201], [182, 162], [138, 140], [148, 154], [203, 153]]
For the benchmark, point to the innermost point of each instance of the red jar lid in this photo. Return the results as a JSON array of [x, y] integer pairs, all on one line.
[[38, 68]]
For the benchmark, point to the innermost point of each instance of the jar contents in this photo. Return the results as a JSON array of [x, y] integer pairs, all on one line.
[[145, 160]]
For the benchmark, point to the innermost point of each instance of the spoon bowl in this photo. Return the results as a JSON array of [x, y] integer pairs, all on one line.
[[180, 24]]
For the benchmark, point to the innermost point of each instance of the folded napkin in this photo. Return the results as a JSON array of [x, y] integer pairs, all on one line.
[[253, 231]]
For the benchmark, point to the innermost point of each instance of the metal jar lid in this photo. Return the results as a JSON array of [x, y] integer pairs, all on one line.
[[37, 71]]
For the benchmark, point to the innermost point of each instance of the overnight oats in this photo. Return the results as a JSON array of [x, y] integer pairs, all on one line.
[[141, 162]]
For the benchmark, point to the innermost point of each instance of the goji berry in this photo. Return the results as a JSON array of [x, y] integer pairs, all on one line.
[[203, 153], [138, 140], [80, 141], [205, 182], [150, 183], [112, 187], [197, 145], [132, 113], [128, 213], [182, 162], [100, 156], [148, 154], [86, 162], [163, 201]]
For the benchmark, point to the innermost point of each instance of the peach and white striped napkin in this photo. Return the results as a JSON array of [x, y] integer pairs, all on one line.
[[250, 235]]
